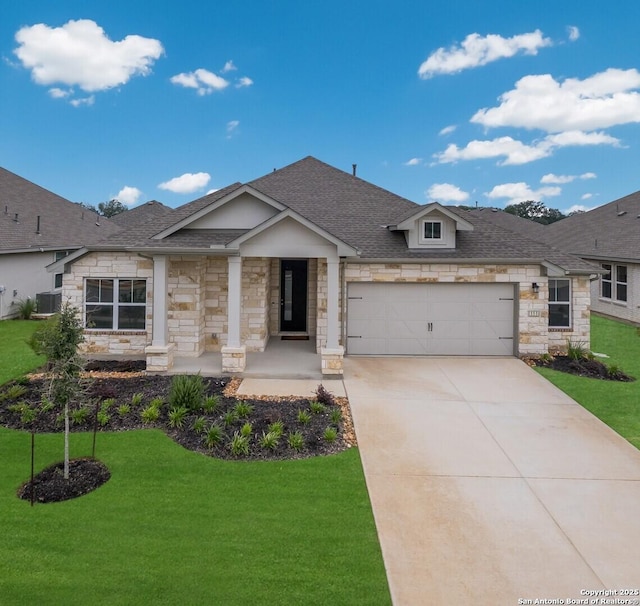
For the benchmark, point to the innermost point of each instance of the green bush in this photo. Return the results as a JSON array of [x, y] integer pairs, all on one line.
[[136, 399], [239, 445], [336, 416], [229, 418], [177, 417], [79, 415], [242, 409], [150, 414], [211, 404], [269, 440], [304, 417], [187, 391], [246, 430], [277, 428], [213, 436], [103, 417], [26, 308], [330, 435], [13, 393], [124, 410], [577, 350], [199, 425], [317, 407], [295, 440]]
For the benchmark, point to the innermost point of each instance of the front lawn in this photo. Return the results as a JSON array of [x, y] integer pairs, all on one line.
[[174, 527], [615, 403], [16, 357]]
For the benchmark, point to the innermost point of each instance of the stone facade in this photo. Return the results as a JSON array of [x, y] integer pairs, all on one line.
[[111, 265]]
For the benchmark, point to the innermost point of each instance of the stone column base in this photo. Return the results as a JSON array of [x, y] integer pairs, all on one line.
[[332, 360], [234, 359], [159, 357]]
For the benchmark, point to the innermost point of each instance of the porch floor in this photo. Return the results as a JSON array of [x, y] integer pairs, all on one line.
[[279, 360]]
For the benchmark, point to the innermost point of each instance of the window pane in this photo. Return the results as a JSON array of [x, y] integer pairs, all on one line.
[[124, 291], [607, 268], [139, 291], [93, 291], [606, 289], [131, 317], [559, 290], [558, 315], [106, 291], [99, 316], [57, 281], [621, 273], [621, 292], [433, 230]]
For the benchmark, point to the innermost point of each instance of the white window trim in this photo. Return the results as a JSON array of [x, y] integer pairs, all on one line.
[[115, 304], [423, 236], [567, 303], [614, 283]]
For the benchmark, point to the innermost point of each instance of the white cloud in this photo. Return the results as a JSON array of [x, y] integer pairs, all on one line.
[[129, 195], [413, 162], [446, 192], [588, 176], [79, 53], [559, 179], [447, 130], [232, 125], [187, 183], [605, 99], [520, 192], [516, 152], [204, 81], [586, 196], [579, 208], [243, 82], [229, 67], [477, 50], [574, 33], [58, 93], [84, 101]]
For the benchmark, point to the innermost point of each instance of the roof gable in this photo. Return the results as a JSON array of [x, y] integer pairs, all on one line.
[[407, 221]]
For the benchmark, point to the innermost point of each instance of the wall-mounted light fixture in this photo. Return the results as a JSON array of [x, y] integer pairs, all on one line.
[[535, 287]]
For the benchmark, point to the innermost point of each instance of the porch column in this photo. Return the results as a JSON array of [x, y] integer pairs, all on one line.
[[234, 354], [160, 353], [332, 354]]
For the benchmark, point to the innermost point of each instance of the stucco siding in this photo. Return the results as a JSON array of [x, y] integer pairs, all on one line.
[[629, 310]]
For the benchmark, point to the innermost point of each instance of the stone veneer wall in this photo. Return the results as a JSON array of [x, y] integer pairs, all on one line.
[[254, 317], [216, 325], [186, 304], [531, 308], [321, 308], [110, 265]]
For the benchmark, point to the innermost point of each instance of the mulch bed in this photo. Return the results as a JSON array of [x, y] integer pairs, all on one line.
[[120, 381], [50, 486], [583, 367]]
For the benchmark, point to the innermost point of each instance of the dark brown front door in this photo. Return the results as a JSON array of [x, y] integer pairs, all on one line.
[[293, 295]]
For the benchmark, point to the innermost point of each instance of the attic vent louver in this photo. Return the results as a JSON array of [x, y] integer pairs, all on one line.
[[38, 225]]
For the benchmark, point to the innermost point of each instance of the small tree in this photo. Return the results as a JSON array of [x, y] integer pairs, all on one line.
[[58, 339], [536, 211]]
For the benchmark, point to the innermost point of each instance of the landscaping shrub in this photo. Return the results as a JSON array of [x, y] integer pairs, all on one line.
[[187, 391]]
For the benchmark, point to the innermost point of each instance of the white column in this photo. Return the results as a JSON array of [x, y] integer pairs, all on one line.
[[234, 301], [333, 297], [160, 308]]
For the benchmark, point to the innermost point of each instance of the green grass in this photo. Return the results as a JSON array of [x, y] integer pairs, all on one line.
[[175, 527], [16, 357], [615, 403]]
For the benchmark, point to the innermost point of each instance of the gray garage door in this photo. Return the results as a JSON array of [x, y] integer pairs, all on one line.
[[430, 319]]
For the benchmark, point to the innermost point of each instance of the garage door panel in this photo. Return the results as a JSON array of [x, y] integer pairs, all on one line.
[[434, 318]]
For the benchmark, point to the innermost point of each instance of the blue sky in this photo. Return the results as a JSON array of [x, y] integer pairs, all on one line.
[[466, 101]]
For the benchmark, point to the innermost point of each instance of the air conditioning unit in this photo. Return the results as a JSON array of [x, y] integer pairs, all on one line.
[[48, 302]]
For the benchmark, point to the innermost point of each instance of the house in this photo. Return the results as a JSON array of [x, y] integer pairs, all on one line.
[[610, 237], [310, 251], [38, 227]]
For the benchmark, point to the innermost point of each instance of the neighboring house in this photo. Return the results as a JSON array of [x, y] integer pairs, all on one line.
[[141, 214], [609, 236], [312, 251], [38, 227]]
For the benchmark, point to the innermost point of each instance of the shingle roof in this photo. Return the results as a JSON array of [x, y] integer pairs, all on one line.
[[354, 211], [527, 227], [609, 231], [63, 224], [141, 214]]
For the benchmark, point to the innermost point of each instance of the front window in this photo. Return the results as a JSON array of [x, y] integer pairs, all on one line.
[[433, 230], [613, 283], [115, 304], [559, 303]]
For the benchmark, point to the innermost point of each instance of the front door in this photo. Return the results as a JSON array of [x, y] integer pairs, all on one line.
[[293, 295]]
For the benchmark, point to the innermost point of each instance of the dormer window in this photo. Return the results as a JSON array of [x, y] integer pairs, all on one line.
[[432, 230]]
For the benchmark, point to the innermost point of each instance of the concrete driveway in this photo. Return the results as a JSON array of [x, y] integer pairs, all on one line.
[[490, 486]]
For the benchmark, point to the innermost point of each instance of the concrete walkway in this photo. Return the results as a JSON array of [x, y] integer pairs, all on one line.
[[491, 486]]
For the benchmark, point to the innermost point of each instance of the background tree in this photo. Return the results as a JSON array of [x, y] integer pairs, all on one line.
[[58, 339], [535, 211], [107, 209]]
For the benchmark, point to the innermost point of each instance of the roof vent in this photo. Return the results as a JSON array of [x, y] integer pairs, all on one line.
[[355, 168], [622, 212], [6, 209], [16, 218], [38, 225]]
